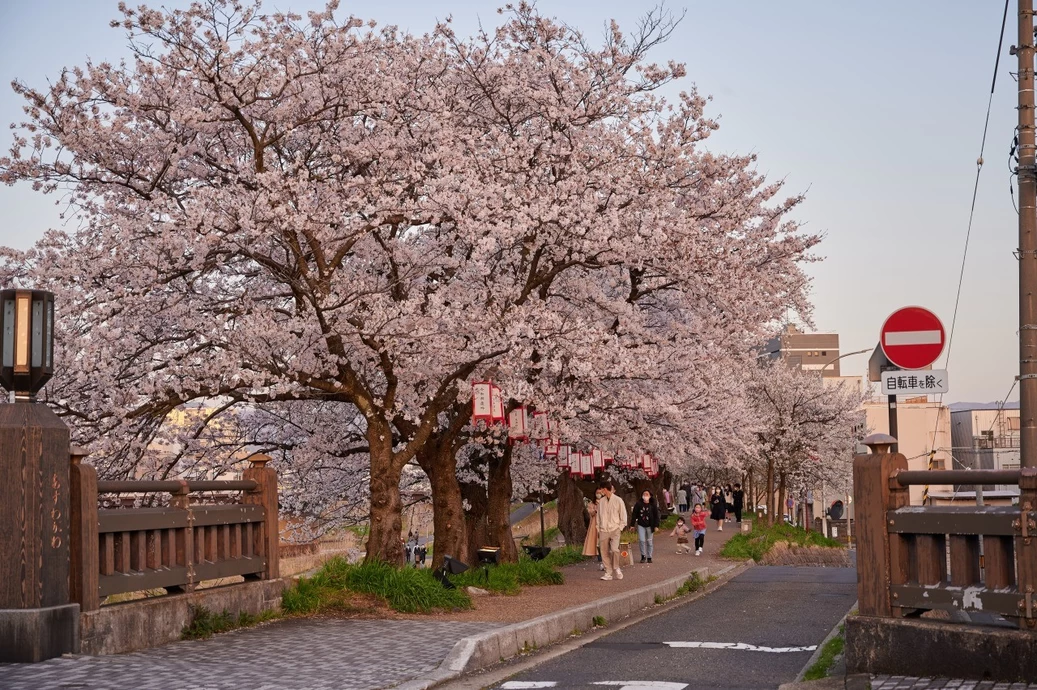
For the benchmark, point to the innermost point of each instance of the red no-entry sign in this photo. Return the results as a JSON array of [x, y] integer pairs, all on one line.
[[912, 338]]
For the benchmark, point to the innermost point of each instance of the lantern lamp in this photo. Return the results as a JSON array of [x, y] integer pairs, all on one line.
[[26, 341]]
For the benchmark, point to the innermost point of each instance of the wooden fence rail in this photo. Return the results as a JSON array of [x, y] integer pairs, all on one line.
[[118, 550], [912, 559]]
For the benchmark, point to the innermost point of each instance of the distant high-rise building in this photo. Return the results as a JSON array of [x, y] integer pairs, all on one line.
[[807, 351]]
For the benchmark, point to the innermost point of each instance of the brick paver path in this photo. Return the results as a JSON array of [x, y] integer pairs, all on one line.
[[907, 683], [310, 654]]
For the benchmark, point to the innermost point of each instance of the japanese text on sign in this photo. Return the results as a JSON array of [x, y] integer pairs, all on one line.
[[914, 382]]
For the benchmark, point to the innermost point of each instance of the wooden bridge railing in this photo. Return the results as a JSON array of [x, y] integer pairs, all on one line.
[[912, 559], [117, 550]]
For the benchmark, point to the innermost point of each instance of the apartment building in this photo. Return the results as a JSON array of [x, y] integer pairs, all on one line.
[[808, 351], [986, 436]]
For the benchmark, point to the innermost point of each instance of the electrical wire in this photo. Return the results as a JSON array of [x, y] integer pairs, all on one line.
[[972, 215]]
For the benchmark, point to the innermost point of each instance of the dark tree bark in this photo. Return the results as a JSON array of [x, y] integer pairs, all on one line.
[[498, 508], [770, 492], [383, 541], [448, 518], [572, 520], [477, 532]]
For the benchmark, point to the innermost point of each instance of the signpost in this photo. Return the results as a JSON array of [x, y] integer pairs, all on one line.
[[911, 338]]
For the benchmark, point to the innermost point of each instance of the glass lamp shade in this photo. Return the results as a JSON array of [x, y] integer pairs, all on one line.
[[26, 340]]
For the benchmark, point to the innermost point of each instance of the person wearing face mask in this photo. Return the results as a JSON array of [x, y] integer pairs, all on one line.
[[645, 516]]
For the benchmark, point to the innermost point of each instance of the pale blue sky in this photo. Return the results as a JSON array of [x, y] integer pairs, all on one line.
[[875, 109]]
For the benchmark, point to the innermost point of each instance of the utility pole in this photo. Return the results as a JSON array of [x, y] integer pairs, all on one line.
[[1027, 242]]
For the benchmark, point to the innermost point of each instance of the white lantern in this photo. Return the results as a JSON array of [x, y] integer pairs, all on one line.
[[518, 427], [597, 459], [586, 466], [574, 463], [482, 410], [496, 405]]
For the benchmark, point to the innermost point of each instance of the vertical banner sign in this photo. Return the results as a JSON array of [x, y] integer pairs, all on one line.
[[551, 449], [496, 405], [481, 408], [655, 467], [597, 459], [646, 462], [574, 462], [563, 457], [609, 459], [586, 468]]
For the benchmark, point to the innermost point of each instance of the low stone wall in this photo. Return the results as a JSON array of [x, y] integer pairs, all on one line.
[[145, 623], [909, 647]]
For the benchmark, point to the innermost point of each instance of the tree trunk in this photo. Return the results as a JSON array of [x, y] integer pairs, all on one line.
[[781, 494], [571, 521], [383, 541], [498, 505], [770, 492], [477, 531], [438, 461]]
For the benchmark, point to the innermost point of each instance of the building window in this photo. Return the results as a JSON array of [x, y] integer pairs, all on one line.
[[1013, 424], [824, 353]]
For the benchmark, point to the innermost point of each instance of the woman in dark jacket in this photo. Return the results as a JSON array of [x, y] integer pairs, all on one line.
[[645, 516], [718, 508]]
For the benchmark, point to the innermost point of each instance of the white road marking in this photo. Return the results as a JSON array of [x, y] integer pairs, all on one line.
[[741, 646], [528, 684], [913, 338], [643, 684]]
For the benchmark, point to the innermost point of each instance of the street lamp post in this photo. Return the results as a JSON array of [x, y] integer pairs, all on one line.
[[37, 621]]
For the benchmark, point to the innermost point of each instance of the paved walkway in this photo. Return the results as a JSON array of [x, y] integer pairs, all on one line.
[[312, 654], [905, 683]]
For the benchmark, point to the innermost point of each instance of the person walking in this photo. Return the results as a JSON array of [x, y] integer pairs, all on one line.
[[645, 517], [590, 543], [681, 531], [698, 527], [612, 518], [667, 500], [682, 500], [697, 495], [738, 501], [718, 508]]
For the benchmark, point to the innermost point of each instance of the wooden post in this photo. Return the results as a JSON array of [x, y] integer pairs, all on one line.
[[1026, 548], [872, 498], [84, 542], [184, 547], [268, 536]]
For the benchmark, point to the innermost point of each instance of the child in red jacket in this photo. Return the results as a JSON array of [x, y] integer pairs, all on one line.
[[698, 527]]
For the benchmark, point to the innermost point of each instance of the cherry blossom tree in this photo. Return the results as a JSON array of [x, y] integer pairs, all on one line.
[[279, 212], [806, 430]]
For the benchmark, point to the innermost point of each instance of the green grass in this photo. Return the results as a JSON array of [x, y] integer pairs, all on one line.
[[599, 622], [360, 530], [509, 578], [204, 623], [408, 590], [550, 534], [757, 543], [668, 523], [693, 584], [565, 555], [832, 649]]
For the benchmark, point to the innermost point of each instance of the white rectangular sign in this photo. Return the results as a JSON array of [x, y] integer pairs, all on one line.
[[921, 382]]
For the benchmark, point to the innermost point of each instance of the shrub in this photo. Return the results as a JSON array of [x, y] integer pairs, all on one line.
[[599, 621], [408, 590], [566, 555]]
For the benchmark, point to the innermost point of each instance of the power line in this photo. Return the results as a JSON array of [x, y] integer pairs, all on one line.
[[968, 232]]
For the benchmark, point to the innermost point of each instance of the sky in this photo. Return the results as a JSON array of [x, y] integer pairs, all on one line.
[[874, 110]]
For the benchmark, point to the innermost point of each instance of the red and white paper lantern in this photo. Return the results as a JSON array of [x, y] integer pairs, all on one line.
[[496, 405], [586, 465], [574, 463], [597, 459], [518, 424], [482, 408]]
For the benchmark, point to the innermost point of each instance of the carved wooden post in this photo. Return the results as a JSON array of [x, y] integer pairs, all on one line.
[[1026, 547], [268, 537], [84, 543], [872, 498]]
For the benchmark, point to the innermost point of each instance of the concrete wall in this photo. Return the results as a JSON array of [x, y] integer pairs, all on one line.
[[153, 622]]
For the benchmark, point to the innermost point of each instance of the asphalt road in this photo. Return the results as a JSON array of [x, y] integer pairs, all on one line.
[[768, 612]]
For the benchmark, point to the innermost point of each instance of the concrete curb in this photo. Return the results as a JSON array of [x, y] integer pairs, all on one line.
[[817, 652], [482, 650]]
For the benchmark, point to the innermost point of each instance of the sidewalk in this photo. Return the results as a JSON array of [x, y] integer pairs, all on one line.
[[319, 653]]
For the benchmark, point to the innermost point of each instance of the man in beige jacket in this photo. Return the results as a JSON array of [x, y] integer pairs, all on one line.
[[612, 518]]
